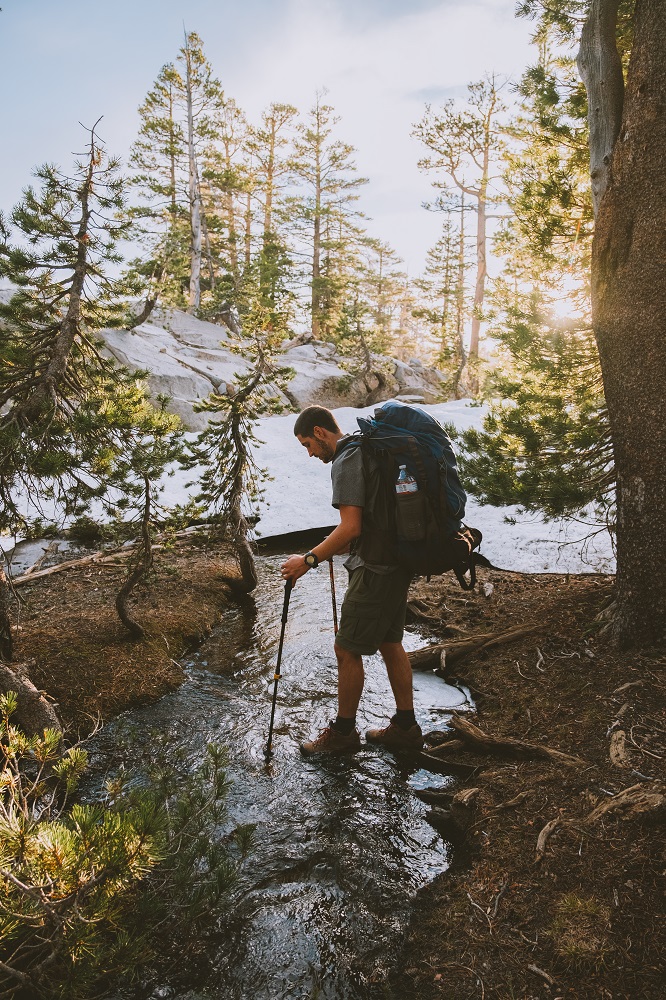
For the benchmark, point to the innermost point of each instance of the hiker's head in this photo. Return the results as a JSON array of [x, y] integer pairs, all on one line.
[[317, 430]]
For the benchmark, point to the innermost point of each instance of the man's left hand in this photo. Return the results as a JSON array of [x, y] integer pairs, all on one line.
[[294, 568]]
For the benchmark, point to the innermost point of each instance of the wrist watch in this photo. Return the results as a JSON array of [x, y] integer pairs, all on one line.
[[311, 560]]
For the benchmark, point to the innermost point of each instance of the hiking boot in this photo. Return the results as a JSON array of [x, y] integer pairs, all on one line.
[[394, 738], [331, 741]]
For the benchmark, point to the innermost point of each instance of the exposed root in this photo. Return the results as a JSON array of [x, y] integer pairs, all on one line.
[[481, 742]]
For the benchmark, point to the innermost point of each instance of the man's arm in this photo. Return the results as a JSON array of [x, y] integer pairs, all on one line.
[[351, 520]]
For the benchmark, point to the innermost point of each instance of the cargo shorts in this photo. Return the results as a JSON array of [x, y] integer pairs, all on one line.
[[373, 610]]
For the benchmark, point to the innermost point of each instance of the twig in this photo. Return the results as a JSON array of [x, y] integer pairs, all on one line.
[[544, 835]]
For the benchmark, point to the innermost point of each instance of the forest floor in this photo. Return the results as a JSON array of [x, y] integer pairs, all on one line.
[[579, 915], [80, 655]]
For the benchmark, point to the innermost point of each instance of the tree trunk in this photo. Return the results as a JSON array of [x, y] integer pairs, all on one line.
[[6, 642], [230, 209], [629, 318], [195, 198], [460, 300], [238, 526], [270, 183], [248, 229], [600, 70], [316, 253], [481, 266], [49, 381], [172, 157], [140, 570], [209, 255]]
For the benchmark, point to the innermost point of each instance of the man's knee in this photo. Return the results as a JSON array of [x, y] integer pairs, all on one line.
[[345, 656]]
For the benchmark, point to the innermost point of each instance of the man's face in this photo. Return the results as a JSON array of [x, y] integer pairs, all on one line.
[[318, 445]]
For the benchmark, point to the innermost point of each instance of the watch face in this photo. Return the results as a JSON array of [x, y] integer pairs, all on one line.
[[311, 559]]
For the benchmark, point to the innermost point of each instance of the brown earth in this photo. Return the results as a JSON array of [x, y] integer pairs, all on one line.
[[581, 918], [84, 659]]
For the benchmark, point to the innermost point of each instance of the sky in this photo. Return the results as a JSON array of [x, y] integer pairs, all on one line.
[[65, 62]]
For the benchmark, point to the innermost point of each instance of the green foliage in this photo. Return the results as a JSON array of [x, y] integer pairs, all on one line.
[[547, 446], [90, 893], [224, 449], [71, 416]]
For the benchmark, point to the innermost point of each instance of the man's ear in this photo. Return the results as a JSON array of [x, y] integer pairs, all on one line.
[[319, 433]]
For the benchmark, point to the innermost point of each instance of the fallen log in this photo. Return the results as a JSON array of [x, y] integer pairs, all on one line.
[[99, 558], [455, 650], [481, 742], [34, 713]]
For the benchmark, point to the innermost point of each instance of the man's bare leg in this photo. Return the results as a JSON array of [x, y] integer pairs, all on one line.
[[399, 671], [403, 731], [350, 682]]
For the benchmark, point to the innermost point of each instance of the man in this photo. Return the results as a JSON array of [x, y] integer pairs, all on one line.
[[373, 611]]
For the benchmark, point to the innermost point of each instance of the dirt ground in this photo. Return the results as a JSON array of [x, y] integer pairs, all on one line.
[[84, 659], [581, 917]]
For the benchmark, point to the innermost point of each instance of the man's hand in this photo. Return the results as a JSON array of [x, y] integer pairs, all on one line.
[[294, 568]]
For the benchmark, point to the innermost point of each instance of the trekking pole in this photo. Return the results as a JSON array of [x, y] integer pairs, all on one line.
[[335, 607], [276, 676]]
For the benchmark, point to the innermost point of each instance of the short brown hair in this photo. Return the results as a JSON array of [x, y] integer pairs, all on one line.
[[315, 416]]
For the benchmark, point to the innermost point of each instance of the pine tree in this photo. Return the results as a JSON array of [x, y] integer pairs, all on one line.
[[177, 123], [547, 446], [328, 173], [230, 484], [90, 894], [465, 146], [443, 302], [69, 413]]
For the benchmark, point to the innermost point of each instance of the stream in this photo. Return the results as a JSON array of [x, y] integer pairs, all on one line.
[[341, 844]]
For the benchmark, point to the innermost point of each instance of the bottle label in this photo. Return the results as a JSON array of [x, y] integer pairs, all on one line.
[[406, 487]]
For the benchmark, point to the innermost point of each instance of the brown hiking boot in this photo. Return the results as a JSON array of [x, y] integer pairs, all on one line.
[[394, 738], [331, 741]]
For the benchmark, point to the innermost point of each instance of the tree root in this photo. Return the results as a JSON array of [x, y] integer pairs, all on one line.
[[446, 654], [481, 742], [639, 801]]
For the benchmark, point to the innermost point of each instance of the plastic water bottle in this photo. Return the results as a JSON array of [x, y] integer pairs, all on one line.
[[405, 483], [410, 509]]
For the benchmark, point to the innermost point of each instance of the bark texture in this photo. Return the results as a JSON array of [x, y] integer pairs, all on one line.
[[600, 70], [629, 317]]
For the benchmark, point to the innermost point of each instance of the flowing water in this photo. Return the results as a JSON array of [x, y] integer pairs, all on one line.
[[341, 845]]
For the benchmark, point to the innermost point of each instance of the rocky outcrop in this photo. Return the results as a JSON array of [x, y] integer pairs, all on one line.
[[187, 359]]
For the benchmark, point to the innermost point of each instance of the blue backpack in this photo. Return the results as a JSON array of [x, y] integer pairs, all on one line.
[[421, 531]]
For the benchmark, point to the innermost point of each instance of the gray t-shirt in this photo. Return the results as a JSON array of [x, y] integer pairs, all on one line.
[[348, 480]]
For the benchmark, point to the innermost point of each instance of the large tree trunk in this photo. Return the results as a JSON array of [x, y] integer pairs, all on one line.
[[600, 70], [629, 317]]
